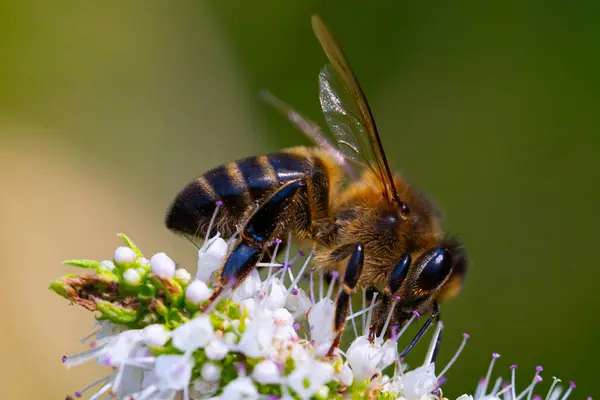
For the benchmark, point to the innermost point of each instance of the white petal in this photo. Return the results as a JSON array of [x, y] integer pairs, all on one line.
[[345, 375], [210, 372], [124, 255], [320, 321], [173, 372], [317, 374], [216, 350], [211, 258], [162, 265], [363, 357], [249, 288], [276, 297], [155, 335], [197, 292], [193, 334], [266, 372], [298, 304], [240, 388], [419, 381]]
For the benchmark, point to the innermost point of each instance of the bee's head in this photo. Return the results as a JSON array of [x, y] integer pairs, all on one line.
[[435, 274]]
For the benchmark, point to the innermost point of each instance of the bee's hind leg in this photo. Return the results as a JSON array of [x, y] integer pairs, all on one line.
[[257, 236], [342, 302]]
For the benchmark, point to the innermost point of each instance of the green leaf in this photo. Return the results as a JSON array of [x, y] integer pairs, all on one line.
[[130, 244], [83, 263], [116, 313], [58, 287]]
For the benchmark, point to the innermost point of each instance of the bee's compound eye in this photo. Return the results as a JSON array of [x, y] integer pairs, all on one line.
[[437, 264]]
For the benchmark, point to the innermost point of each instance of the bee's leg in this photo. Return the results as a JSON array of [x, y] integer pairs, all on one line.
[[257, 235], [342, 303], [434, 314]]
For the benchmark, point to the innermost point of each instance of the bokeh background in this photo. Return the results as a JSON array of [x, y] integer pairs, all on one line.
[[108, 108]]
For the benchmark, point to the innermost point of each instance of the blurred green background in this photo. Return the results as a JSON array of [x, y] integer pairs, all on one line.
[[108, 108]]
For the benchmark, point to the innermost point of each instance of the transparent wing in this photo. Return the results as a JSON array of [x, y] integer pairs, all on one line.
[[350, 121], [342, 119]]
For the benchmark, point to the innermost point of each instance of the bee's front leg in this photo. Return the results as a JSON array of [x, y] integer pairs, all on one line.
[[342, 303], [257, 234]]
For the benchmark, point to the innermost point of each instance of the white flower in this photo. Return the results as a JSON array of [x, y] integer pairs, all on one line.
[[465, 397], [109, 265], [210, 372], [277, 294], [419, 382], [266, 372], [173, 372], [210, 258], [201, 389], [249, 288], [258, 337], [132, 277], [320, 321], [240, 388], [183, 275], [298, 303], [155, 335], [345, 375], [366, 358], [315, 373], [194, 334], [162, 265], [197, 292], [216, 350], [124, 255]]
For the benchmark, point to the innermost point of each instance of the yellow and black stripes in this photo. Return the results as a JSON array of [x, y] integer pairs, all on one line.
[[242, 184]]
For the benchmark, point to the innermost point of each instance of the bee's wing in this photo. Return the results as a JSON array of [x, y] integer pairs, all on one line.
[[312, 131], [350, 121]]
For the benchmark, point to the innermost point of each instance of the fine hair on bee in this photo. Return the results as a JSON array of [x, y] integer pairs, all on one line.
[[340, 199]]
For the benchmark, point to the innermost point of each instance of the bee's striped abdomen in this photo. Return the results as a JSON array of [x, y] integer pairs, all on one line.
[[240, 185]]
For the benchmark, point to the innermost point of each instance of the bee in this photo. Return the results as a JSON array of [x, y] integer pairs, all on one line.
[[342, 198]]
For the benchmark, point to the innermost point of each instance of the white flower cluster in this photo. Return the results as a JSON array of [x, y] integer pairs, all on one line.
[[268, 339]]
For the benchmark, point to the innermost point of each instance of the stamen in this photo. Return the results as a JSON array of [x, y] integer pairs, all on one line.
[[569, 390], [552, 387], [371, 311], [460, 349], [312, 286], [277, 243], [334, 277], [100, 392], [538, 369], [529, 390], [91, 385], [513, 379], [364, 305], [218, 204], [504, 390], [320, 287], [87, 337], [495, 356], [387, 320], [353, 321], [294, 284], [405, 327], [80, 358], [286, 261], [433, 343], [361, 312], [496, 386]]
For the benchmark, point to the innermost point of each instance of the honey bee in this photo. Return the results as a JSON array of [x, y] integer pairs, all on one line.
[[359, 217]]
